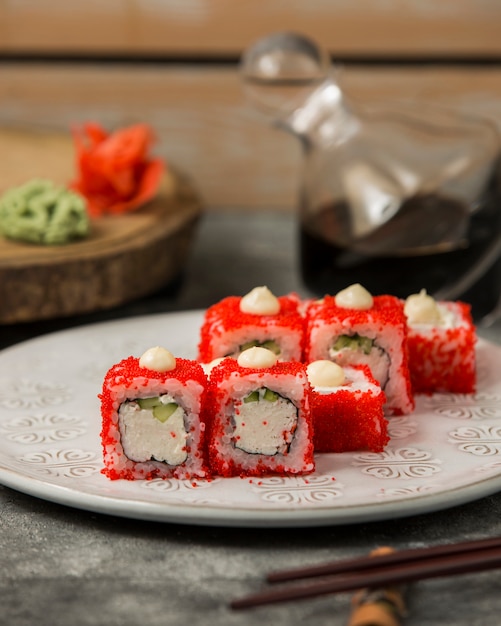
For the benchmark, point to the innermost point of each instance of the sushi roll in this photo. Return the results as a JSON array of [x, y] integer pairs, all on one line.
[[347, 408], [354, 328], [441, 340], [260, 417], [258, 319], [152, 418]]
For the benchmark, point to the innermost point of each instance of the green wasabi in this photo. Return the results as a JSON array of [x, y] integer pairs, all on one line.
[[40, 212]]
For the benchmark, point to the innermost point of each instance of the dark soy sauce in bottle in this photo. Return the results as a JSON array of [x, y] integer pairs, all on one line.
[[471, 272]]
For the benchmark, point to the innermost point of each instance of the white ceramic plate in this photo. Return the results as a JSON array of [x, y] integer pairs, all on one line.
[[446, 453]]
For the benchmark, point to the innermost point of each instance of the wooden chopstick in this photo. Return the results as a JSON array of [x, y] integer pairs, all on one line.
[[369, 562], [477, 556]]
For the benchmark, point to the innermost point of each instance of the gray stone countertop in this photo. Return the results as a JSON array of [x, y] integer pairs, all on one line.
[[60, 565]]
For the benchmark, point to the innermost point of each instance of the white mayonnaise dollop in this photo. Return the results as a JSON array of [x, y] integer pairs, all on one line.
[[158, 360], [354, 297], [325, 373], [257, 358], [260, 301], [420, 308]]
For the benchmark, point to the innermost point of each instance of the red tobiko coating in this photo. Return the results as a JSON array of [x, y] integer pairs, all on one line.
[[226, 315], [443, 359], [229, 365], [387, 310], [349, 420], [128, 369]]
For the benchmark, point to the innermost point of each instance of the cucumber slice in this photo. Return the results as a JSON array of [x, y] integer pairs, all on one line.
[[162, 412], [344, 341], [148, 403], [266, 394], [272, 346], [366, 344], [354, 342], [247, 345], [269, 395], [269, 344], [252, 397]]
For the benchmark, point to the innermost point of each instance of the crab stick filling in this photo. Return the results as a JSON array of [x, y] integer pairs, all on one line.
[[264, 422], [153, 429]]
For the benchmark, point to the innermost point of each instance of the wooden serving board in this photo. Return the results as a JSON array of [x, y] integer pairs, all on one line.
[[124, 258]]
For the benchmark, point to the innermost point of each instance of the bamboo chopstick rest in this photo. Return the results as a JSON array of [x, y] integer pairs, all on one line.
[[378, 607]]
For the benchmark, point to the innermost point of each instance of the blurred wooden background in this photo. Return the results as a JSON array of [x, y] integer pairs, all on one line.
[[174, 64]]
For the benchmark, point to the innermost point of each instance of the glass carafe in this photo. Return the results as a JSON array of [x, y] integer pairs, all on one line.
[[398, 198]]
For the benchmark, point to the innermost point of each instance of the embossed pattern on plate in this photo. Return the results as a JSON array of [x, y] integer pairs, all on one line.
[[446, 453]]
